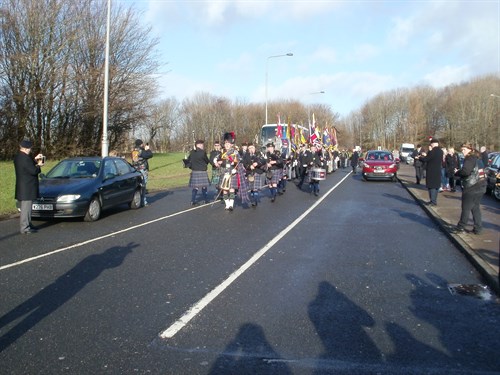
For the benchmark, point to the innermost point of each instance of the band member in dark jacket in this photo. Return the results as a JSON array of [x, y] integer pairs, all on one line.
[[474, 187], [198, 162], [27, 171], [214, 156], [304, 155], [433, 163], [274, 168], [313, 160], [254, 163]]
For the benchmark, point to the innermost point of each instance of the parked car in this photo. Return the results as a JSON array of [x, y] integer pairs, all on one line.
[[379, 164], [492, 174], [491, 156], [85, 186]]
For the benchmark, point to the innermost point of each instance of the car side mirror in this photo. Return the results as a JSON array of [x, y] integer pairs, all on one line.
[[109, 176], [397, 160], [42, 175], [361, 159]]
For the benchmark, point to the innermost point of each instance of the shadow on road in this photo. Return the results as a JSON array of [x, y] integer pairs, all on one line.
[[340, 324], [55, 295], [249, 353]]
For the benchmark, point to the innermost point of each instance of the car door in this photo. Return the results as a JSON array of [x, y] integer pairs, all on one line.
[[127, 181], [110, 188]]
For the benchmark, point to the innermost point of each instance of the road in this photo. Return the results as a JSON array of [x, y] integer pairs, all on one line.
[[354, 281]]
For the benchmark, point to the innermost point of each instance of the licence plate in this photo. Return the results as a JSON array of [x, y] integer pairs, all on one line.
[[379, 171], [42, 207]]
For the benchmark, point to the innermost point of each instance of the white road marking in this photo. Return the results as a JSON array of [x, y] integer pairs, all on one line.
[[201, 304], [97, 238]]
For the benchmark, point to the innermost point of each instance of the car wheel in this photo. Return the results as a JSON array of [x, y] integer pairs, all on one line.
[[136, 200], [496, 192], [94, 210]]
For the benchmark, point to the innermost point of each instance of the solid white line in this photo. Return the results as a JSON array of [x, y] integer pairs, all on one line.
[[97, 238], [201, 304]]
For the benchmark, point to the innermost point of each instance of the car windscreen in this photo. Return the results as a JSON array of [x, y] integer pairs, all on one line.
[[75, 169], [379, 156]]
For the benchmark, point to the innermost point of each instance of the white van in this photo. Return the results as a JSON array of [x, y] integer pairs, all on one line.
[[406, 150]]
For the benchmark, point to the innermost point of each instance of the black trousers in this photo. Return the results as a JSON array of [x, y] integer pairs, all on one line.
[[471, 202]]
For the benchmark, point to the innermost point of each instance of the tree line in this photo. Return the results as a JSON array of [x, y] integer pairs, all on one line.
[[465, 112], [52, 87]]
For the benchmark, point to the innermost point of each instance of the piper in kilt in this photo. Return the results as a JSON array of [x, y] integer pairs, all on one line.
[[254, 163], [274, 169], [228, 163], [198, 161]]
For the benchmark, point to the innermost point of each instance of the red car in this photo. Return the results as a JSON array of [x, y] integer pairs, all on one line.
[[379, 165]]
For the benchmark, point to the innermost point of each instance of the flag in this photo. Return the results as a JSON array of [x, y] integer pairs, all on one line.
[[312, 131], [334, 136], [326, 138], [279, 128], [303, 139]]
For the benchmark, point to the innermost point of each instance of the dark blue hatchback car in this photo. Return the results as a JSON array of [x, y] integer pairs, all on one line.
[[85, 186]]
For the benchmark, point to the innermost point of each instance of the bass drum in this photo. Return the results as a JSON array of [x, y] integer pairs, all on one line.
[[318, 174]]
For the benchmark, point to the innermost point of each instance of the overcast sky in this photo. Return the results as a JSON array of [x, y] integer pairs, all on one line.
[[351, 50]]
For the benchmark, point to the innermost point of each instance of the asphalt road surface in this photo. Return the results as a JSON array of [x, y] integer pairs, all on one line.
[[355, 281]]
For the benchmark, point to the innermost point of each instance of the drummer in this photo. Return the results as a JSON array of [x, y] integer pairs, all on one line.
[[314, 160], [274, 169]]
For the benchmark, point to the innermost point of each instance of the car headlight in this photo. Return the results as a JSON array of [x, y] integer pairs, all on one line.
[[392, 166], [68, 198]]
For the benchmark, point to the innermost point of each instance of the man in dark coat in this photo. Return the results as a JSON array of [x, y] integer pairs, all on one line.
[[433, 163], [418, 164], [198, 161], [27, 171], [354, 160]]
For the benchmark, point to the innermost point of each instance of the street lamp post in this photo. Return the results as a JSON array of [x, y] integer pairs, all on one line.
[[105, 141], [267, 70]]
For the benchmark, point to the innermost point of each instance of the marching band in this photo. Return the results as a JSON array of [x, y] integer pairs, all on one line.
[[246, 172]]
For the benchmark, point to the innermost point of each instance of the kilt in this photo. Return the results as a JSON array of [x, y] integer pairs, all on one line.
[[277, 173], [198, 179], [258, 183]]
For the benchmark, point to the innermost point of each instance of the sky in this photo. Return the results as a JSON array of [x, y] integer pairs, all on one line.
[[350, 50]]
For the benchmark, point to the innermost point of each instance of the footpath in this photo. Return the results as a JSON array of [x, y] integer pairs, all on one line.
[[482, 250]]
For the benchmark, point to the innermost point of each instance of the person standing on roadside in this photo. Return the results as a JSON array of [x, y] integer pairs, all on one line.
[[27, 171], [433, 163], [140, 156], [484, 156], [452, 163], [354, 160], [418, 164], [474, 187]]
